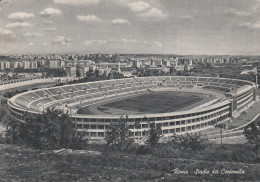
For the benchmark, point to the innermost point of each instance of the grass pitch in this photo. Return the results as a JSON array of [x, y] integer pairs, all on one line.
[[156, 102]]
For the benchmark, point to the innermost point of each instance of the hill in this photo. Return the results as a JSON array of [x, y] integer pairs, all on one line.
[[19, 163]]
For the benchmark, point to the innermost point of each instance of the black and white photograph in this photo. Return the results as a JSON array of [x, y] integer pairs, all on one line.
[[129, 90]]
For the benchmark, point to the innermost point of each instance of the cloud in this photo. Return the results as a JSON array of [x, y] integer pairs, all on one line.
[[129, 41], [235, 12], [31, 43], [145, 10], [152, 43], [20, 16], [154, 13], [88, 18], [18, 25], [187, 18], [155, 43], [250, 25], [50, 12], [6, 32], [76, 2], [138, 6], [45, 43], [245, 25], [134, 41], [242, 13], [94, 42], [50, 29], [120, 21], [29, 34], [256, 25], [60, 40], [47, 22]]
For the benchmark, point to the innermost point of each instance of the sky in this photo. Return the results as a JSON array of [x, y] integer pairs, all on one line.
[[199, 27]]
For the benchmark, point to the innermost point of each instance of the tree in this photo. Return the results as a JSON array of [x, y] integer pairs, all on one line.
[[55, 72], [148, 125], [252, 134], [117, 133], [137, 125], [11, 126], [154, 135], [194, 142], [12, 131]]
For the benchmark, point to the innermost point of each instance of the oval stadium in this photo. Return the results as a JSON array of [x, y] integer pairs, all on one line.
[[180, 104]]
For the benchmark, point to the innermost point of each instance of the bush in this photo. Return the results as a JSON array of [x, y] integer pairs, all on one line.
[[79, 141], [194, 142], [129, 146], [143, 150], [257, 160], [230, 153]]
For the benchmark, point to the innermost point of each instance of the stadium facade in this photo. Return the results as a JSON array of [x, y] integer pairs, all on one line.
[[233, 97]]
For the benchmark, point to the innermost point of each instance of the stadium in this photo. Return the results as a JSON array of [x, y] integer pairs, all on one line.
[[180, 104]]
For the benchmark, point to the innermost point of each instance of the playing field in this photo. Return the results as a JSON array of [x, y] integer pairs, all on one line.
[[156, 102]]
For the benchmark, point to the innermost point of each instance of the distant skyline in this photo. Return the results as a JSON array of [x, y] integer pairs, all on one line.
[[184, 27]]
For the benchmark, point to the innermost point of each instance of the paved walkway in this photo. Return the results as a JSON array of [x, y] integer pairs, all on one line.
[[244, 118], [247, 115], [232, 140]]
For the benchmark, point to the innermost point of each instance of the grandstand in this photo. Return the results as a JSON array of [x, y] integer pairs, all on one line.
[[232, 98], [8, 86]]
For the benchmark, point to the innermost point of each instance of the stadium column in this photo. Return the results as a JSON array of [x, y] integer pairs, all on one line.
[[255, 94], [232, 107], [234, 101]]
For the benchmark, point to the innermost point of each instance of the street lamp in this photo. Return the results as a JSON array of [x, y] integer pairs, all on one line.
[[221, 131]]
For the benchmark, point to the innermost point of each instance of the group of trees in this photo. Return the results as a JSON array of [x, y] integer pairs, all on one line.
[[51, 130], [118, 136], [95, 76], [252, 134], [54, 72]]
